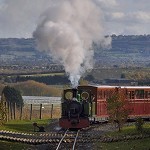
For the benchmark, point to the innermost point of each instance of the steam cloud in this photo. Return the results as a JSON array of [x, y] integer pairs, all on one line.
[[67, 29]]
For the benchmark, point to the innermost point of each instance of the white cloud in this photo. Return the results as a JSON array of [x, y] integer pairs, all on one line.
[[114, 16], [141, 16], [18, 18]]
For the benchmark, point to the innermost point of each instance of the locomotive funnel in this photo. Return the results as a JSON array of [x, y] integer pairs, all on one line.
[[74, 91]]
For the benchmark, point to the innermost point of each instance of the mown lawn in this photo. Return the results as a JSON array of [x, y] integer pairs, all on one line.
[[4, 145], [138, 144], [130, 129], [24, 125], [20, 126], [142, 144]]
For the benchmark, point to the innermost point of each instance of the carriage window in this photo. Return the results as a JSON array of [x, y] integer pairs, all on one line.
[[105, 93], [100, 95], [140, 94], [131, 94], [147, 94]]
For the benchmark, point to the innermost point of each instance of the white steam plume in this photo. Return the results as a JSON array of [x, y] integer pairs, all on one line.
[[67, 30]]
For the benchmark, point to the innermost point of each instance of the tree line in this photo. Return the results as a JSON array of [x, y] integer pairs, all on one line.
[[9, 96], [49, 80]]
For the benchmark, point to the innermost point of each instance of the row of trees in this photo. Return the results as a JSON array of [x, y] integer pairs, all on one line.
[[50, 80], [9, 95]]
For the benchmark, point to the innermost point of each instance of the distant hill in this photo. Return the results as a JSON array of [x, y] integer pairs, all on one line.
[[33, 88], [133, 50], [21, 51]]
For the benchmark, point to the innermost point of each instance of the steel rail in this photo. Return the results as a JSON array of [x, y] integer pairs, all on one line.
[[61, 140], [74, 144]]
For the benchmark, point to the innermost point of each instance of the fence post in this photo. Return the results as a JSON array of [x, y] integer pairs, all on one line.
[[52, 111], [40, 111], [5, 103], [31, 112], [8, 107], [11, 115], [14, 109], [20, 112]]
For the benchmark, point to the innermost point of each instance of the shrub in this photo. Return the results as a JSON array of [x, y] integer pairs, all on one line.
[[139, 124]]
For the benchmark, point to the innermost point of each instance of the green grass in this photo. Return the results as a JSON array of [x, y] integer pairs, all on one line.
[[142, 144], [4, 145], [129, 130], [23, 125]]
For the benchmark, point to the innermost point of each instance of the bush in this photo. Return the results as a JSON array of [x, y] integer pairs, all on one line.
[[139, 124], [12, 95]]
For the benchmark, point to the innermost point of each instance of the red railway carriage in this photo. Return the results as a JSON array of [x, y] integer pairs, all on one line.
[[138, 98]]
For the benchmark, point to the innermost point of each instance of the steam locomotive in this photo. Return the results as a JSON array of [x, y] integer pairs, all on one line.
[[76, 105]]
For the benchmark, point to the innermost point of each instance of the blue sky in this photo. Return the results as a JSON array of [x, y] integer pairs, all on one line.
[[18, 18]]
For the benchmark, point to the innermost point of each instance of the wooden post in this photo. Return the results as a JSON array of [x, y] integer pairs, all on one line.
[[14, 109], [20, 112], [8, 106], [5, 103], [11, 115], [40, 111], [52, 111], [31, 112]]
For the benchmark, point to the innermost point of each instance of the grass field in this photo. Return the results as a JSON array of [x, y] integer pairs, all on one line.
[[21, 126], [130, 129], [109, 73], [24, 125], [4, 145], [140, 144]]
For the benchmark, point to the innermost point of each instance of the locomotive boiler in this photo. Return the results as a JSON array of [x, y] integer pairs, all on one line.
[[76, 104]]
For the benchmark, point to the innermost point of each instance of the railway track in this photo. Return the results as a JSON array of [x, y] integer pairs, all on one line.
[[72, 140], [45, 137], [52, 137]]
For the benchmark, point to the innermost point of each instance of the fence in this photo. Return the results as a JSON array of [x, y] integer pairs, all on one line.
[[32, 111]]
